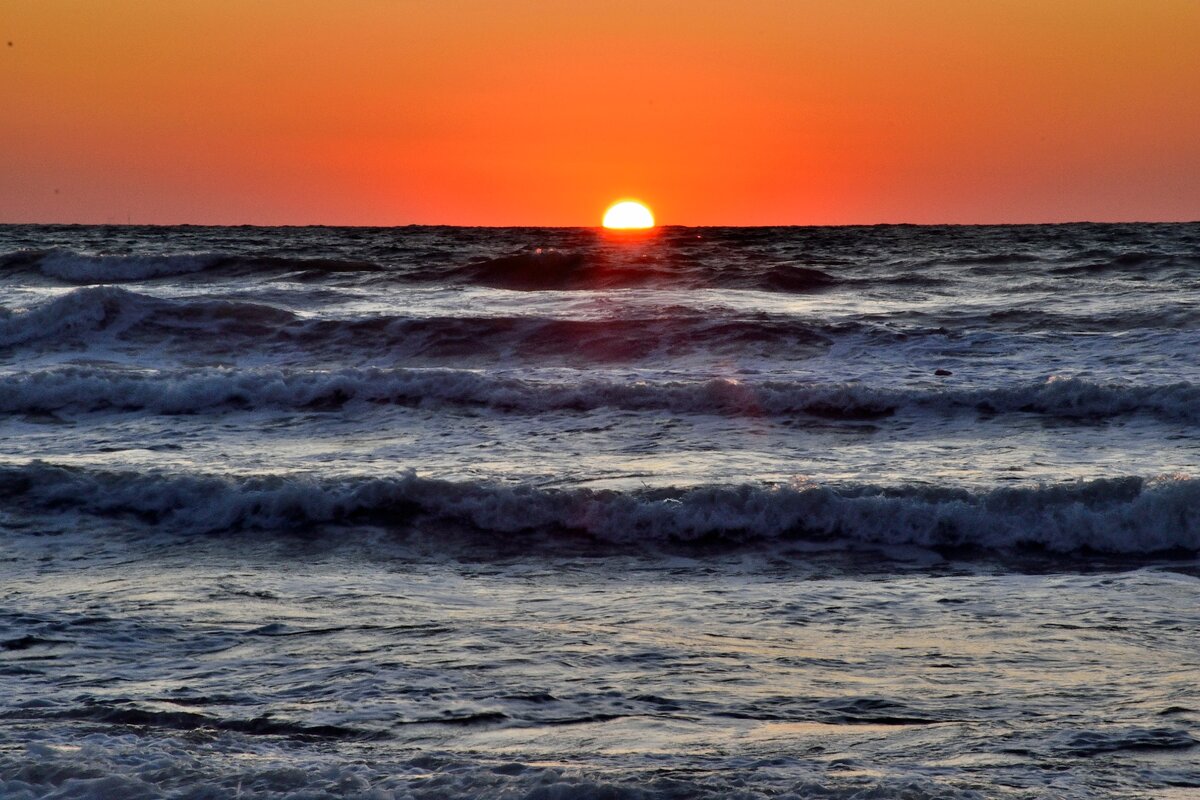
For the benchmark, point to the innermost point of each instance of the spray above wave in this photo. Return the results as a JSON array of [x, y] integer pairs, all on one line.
[[85, 389], [1128, 515]]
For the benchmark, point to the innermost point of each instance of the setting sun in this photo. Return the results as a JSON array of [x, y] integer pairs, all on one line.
[[742, 475], [628, 214]]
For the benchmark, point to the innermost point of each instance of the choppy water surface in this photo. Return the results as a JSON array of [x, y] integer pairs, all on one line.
[[438, 512]]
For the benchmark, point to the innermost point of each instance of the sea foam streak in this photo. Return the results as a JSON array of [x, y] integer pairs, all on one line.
[[1126, 515]]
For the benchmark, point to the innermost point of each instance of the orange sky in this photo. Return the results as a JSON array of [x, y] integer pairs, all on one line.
[[382, 112]]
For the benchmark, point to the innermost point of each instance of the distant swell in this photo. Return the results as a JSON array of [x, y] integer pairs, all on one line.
[[1132, 262], [771, 260], [524, 271], [1124, 515], [558, 270], [87, 389], [85, 268]]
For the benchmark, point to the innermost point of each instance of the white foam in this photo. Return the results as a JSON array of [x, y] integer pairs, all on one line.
[[1123, 515], [96, 766], [72, 313]]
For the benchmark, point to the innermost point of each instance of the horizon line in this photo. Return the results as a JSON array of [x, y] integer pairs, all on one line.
[[601, 228]]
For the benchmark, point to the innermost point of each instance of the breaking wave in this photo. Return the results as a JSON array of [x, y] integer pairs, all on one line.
[[122, 313], [1130, 515], [93, 316], [118, 311]]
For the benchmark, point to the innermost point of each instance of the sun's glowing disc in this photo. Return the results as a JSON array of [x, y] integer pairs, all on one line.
[[628, 214]]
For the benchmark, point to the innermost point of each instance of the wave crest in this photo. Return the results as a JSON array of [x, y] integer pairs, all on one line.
[[87, 389], [1129, 515], [118, 311]]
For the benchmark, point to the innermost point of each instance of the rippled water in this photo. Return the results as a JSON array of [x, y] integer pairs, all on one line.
[[438, 512]]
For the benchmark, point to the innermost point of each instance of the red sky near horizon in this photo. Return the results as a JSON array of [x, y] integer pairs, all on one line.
[[540, 112]]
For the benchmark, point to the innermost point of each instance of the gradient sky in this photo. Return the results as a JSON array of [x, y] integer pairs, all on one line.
[[382, 112]]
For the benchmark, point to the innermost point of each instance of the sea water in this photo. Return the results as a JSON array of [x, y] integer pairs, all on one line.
[[427, 512]]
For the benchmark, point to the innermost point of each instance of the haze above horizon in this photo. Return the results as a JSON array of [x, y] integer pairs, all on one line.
[[532, 113]]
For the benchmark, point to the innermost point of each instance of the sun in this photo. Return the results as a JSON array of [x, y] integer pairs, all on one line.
[[627, 215]]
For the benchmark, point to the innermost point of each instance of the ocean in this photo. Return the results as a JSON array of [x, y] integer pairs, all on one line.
[[436, 512]]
